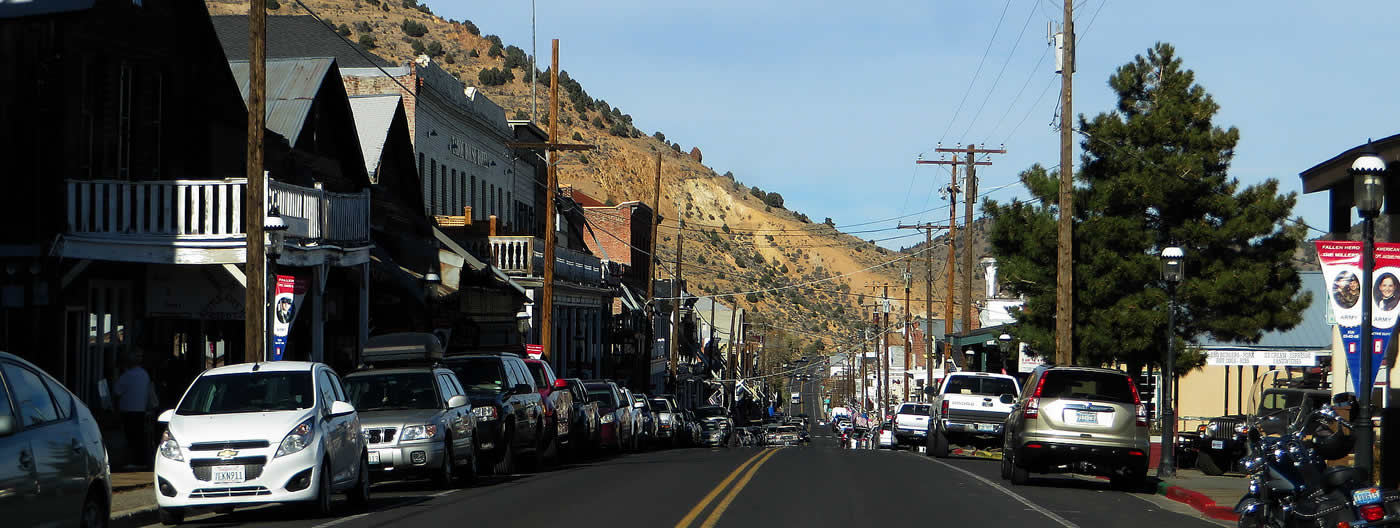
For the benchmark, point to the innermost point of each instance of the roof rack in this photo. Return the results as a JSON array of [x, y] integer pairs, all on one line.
[[417, 348]]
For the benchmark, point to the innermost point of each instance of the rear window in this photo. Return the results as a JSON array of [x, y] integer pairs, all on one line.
[[1098, 386], [660, 405], [921, 410], [983, 386], [480, 374], [537, 372], [602, 394]]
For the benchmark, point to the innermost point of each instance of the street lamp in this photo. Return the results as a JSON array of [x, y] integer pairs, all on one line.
[[276, 228], [1004, 343], [1368, 173], [1173, 270]]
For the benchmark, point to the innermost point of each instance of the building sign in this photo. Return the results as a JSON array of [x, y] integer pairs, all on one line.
[[534, 351], [1260, 358], [1027, 362], [1341, 268]]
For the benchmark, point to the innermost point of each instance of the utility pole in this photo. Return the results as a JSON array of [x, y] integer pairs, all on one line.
[[953, 191], [928, 297], [885, 334], [733, 350], [255, 292], [655, 221], [676, 306], [1064, 268], [904, 378], [969, 202], [874, 322]]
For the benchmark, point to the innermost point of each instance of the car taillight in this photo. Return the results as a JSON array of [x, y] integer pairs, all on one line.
[[1032, 409], [1372, 512], [945, 408], [1137, 402]]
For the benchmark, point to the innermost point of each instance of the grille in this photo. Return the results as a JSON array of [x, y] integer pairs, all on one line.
[[236, 491], [204, 467], [959, 415], [382, 435], [1225, 429], [232, 444]]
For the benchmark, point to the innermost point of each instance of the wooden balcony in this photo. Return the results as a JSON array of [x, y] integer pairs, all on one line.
[[522, 256], [201, 221]]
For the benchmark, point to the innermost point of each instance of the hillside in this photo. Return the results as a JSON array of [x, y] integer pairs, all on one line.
[[734, 241]]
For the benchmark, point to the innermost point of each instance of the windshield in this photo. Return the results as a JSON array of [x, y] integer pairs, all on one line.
[[248, 392], [787, 429], [660, 405], [709, 426], [983, 386], [1086, 385], [710, 412], [382, 392], [537, 371], [603, 394], [921, 410], [480, 374]]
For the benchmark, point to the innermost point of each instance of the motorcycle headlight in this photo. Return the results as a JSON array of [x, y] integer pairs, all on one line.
[[419, 432], [608, 418], [169, 448], [298, 439], [485, 412]]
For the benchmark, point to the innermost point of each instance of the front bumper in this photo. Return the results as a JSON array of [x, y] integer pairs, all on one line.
[[190, 483], [488, 435], [407, 460]]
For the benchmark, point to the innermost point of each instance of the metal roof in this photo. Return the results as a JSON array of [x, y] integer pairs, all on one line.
[[374, 114], [292, 86], [294, 36], [1312, 333]]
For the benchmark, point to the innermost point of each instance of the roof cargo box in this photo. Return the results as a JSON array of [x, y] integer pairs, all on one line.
[[403, 347]]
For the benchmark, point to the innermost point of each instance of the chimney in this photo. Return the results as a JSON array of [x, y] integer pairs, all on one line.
[[989, 271]]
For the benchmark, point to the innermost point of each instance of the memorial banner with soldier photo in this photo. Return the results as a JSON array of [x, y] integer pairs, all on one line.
[[1341, 268]]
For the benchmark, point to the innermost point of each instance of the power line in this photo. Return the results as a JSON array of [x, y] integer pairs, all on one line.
[[972, 82], [1009, 56]]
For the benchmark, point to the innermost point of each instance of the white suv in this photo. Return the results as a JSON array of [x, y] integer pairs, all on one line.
[[258, 433]]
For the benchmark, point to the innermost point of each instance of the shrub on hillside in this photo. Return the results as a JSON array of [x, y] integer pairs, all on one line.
[[578, 136], [774, 200], [413, 28], [434, 49], [344, 30], [495, 51], [494, 40], [620, 130], [409, 4], [516, 58], [495, 77], [424, 8], [803, 218], [471, 28], [273, 5], [756, 192], [385, 6], [597, 122], [676, 147], [659, 136], [752, 297], [417, 47], [367, 41], [520, 115], [829, 222], [473, 53], [583, 158], [362, 27]]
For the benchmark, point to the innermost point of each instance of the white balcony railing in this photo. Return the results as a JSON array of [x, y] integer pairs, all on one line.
[[523, 255], [512, 254]]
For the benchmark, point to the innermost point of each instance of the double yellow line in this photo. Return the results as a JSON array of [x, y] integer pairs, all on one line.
[[723, 504]]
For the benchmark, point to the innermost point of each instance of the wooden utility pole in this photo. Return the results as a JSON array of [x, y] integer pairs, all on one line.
[[255, 272], [928, 297], [655, 222], [953, 191], [904, 378], [874, 323], [885, 335], [676, 303], [969, 202], [546, 312], [733, 350], [1064, 268]]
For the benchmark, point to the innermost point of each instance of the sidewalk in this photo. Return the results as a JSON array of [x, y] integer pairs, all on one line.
[[133, 499], [1214, 497]]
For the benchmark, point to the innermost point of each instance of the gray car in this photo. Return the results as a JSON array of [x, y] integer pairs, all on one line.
[[54, 469], [417, 422]]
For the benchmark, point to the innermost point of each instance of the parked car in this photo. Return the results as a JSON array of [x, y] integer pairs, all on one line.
[[417, 421], [668, 422], [886, 436], [1078, 419], [911, 424], [650, 426], [558, 405], [584, 429], [719, 416], [692, 423], [43, 425], [614, 414], [782, 435], [1220, 443], [508, 407], [281, 431], [637, 418], [969, 409]]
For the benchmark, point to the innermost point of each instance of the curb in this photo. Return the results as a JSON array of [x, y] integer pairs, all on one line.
[[134, 517], [1199, 501]]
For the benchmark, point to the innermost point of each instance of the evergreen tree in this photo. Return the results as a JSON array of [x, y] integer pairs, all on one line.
[[1154, 175]]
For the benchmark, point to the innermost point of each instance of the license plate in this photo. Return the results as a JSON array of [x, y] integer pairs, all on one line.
[[374, 457], [1086, 417], [1217, 444], [986, 404], [227, 474], [1363, 497], [986, 428]]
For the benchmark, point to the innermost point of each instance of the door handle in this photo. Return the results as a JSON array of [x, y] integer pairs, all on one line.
[[26, 460], [76, 447]]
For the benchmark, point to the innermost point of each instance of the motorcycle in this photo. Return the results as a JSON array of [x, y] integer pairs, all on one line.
[[1290, 483]]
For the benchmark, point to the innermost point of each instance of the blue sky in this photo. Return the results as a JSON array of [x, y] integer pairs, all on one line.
[[830, 103]]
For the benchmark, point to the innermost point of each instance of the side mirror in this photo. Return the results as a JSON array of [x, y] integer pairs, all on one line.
[[559, 383], [1007, 399], [457, 401], [7, 425], [341, 408], [639, 405], [166, 416], [521, 388]]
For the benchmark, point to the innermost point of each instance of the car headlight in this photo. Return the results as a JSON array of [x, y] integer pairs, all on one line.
[[608, 418], [419, 432], [169, 448], [665, 419], [485, 412], [298, 439]]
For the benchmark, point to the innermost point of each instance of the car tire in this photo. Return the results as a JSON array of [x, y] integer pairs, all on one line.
[[1207, 462], [505, 465], [938, 444], [1005, 466], [171, 516], [95, 514], [359, 494], [321, 505], [446, 477], [1019, 475], [1130, 482]]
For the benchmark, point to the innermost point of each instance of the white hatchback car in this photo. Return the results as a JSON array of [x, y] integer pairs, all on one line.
[[259, 433]]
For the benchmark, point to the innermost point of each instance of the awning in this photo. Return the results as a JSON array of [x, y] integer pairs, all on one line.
[[980, 335], [472, 262]]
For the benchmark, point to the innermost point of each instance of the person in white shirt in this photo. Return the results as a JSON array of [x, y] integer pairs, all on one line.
[[133, 390]]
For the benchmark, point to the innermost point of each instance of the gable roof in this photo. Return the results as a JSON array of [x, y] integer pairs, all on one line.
[[292, 86], [1312, 333], [294, 36], [374, 114]]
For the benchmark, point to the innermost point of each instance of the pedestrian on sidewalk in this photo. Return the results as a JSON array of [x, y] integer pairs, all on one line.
[[135, 398]]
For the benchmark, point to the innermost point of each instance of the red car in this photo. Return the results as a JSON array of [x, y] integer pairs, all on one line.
[[558, 404], [615, 415]]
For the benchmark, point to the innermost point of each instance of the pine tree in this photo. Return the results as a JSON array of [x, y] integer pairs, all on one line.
[[1155, 174]]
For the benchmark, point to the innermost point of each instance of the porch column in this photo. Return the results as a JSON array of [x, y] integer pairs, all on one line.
[[362, 326], [318, 313]]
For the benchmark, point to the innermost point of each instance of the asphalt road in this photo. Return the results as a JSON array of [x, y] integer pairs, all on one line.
[[820, 485]]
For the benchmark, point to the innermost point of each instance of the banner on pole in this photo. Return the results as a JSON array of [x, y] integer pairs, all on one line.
[[286, 302], [1341, 268]]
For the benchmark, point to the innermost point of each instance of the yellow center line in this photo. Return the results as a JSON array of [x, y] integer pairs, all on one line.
[[729, 497], [695, 512]]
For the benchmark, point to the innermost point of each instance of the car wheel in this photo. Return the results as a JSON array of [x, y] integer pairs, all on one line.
[[321, 505], [1207, 462], [1019, 475], [938, 444], [1131, 482], [445, 477], [171, 516], [506, 464], [94, 511], [359, 495], [1005, 465]]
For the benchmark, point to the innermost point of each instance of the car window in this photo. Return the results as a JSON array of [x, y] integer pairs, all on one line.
[[326, 388], [523, 374], [1084, 385], [249, 392], [445, 387], [660, 405], [982, 386], [392, 391], [481, 374], [5, 408], [35, 405], [537, 374], [910, 408], [603, 394], [63, 401]]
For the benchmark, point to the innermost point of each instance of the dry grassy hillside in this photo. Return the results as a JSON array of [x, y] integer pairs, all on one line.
[[734, 242]]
